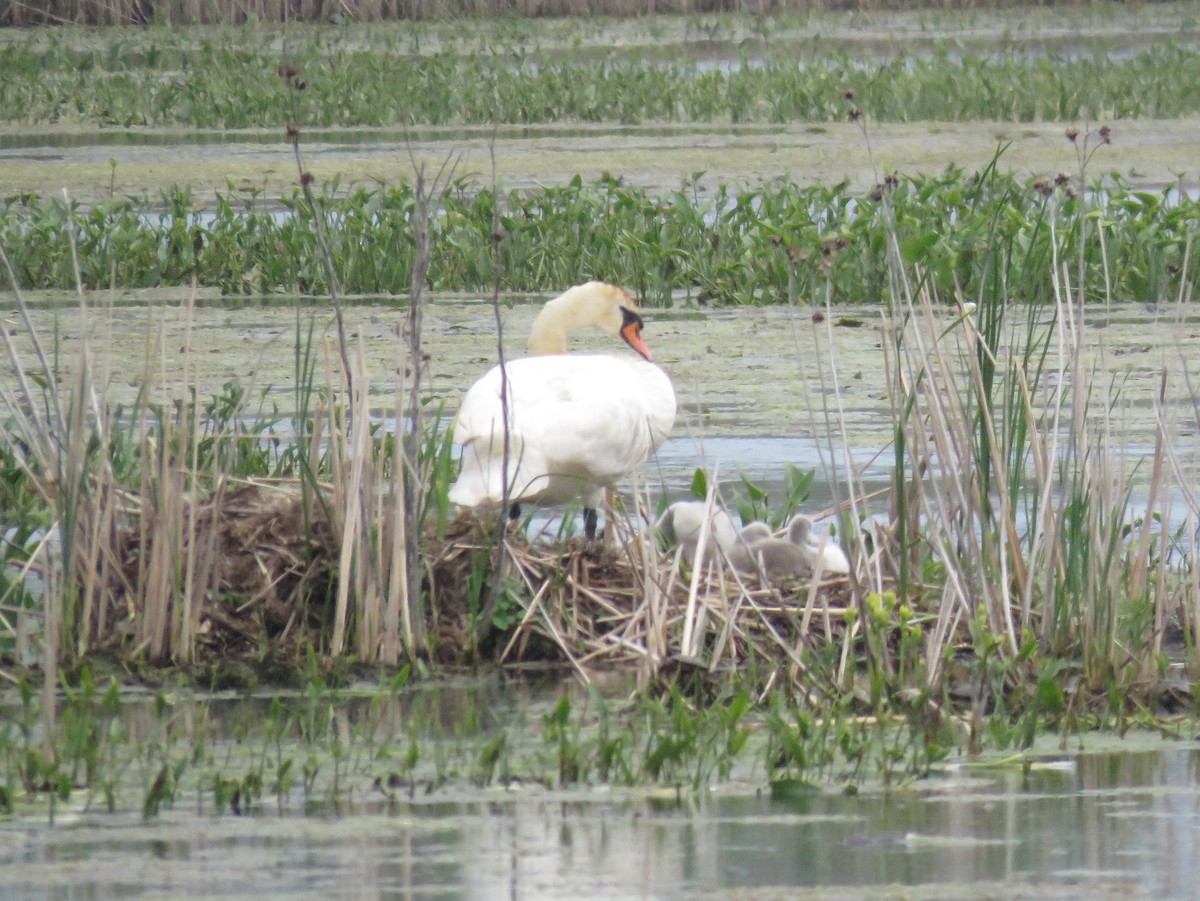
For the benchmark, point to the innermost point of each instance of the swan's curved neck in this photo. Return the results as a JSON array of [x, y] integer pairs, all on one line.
[[594, 303]]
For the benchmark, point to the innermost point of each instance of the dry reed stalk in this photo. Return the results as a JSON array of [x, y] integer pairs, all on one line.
[[690, 635], [971, 511], [1047, 526], [398, 628], [187, 616], [729, 615], [1008, 547], [344, 507], [937, 430], [1140, 565]]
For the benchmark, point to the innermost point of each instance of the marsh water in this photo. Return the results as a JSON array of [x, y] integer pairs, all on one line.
[[1091, 816], [758, 387]]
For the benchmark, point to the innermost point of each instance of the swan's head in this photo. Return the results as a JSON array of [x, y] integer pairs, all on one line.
[[599, 304], [631, 331]]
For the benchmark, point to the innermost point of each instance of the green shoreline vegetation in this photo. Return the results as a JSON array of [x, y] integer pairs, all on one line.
[[723, 247], [234, 83], [1005, 585]]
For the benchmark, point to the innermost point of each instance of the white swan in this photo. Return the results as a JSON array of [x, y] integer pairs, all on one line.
[[682, 522], [576, 422]]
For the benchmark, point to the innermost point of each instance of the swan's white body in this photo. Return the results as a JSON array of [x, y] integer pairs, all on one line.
[[577, 423]]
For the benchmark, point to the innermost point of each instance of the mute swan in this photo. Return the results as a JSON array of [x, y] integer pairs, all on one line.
[[758, 552], [683, 521], [577, 422], [827, 558]]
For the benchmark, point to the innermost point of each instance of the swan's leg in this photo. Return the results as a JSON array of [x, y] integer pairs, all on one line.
[[589, 523]]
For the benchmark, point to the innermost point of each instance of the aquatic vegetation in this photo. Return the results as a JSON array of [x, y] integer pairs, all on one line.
[[381, 79], [1002, 587], [761, 245]]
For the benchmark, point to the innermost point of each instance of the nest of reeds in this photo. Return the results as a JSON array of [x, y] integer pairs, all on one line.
[[620, 604], [254, 570], [262, 568]]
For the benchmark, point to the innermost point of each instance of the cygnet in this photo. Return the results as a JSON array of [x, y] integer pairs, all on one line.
[[758, 552], [682, 522], [825, 557]]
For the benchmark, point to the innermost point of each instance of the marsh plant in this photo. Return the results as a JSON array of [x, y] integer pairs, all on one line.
[[721, 247], [384, 77]]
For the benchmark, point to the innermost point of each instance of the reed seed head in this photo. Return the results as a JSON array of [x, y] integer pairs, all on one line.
[[1072, 134], [1062, 178], [854, 114], [1105, 134], [306, 179]]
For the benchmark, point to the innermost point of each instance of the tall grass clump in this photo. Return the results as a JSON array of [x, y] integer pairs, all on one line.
[[177, 528], [1013, 510]]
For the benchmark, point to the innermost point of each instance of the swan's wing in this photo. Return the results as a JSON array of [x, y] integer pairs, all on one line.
[[575, 423]]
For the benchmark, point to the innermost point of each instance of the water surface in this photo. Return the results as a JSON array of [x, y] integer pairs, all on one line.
[[1106, 824]]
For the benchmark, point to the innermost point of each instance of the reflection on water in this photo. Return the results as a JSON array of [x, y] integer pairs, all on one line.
[[1112, 824]]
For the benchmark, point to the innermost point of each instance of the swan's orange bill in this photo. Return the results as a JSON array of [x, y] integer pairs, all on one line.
[[632, 333]]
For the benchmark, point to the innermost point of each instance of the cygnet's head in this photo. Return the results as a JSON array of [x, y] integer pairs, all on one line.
[[755, 531], [799, 529]]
